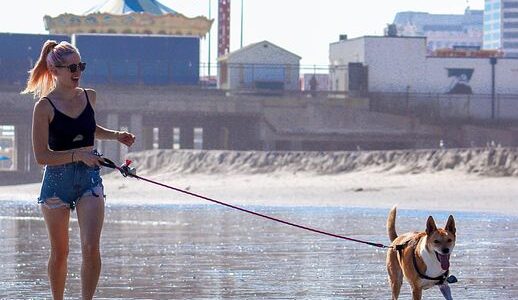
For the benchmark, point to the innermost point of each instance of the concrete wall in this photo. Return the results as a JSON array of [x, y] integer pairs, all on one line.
[[506, 75], [400, 64], [395, 63]]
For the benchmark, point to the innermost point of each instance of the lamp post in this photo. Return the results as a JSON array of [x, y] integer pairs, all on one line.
[[208, 61], [492, 61], [242, 10]]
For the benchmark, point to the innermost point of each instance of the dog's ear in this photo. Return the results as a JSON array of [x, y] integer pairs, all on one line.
[[450, 225], [430, 226]]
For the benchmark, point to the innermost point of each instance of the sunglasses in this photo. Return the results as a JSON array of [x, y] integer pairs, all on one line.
[[73, 67]]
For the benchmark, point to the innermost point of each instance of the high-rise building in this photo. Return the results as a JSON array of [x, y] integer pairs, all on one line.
[[501, 26], [442, 31]]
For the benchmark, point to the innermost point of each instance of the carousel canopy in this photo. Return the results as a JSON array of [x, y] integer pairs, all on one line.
[[122, 7], [129, 17]]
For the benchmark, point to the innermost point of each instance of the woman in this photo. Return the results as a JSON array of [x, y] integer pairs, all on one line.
[[63, 133]]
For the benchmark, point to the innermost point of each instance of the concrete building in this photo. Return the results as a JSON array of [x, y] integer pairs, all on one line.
[[441, 30], [401, 64], [261, 65], [501, 26]]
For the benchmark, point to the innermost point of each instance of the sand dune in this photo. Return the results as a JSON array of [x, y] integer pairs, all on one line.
[[483, 161]]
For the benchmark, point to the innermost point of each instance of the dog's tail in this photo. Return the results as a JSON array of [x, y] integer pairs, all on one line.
[[391, 224]]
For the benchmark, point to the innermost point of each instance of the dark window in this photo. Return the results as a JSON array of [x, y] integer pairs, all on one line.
[[510, 4], [510, 24], [510, 35], [510, 45]]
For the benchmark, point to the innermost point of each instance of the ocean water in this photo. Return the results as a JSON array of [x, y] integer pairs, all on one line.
[[213, 252]]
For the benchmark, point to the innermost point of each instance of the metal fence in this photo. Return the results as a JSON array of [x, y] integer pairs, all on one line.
[[437, 107]]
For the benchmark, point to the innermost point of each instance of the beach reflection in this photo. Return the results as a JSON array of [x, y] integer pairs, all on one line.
[[209, 252]]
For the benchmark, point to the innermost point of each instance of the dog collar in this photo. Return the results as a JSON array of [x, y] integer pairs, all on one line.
[[440, 279]]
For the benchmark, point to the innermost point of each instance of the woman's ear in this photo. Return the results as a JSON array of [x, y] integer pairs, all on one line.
[[53, 70]]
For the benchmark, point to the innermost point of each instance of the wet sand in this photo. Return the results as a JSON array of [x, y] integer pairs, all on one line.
[[160, 244], [209, 252]]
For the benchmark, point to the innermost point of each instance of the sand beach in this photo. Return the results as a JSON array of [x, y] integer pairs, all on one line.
[[480, 180]]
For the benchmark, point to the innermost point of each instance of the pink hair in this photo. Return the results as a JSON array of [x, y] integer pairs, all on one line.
[[41, 81]]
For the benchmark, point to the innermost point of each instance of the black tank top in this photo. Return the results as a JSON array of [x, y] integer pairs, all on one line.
[[67, 133]]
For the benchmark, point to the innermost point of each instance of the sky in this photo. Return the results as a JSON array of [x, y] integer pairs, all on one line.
[[303, 27]]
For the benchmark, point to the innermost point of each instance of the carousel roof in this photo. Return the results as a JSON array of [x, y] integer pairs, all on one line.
[[122, 7], [129, 17]]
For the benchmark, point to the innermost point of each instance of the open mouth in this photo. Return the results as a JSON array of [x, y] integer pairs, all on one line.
[[444, 259]]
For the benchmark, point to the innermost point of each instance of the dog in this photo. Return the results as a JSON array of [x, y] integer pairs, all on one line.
[[423, 258]]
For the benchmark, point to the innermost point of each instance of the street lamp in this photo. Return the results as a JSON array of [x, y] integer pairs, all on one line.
[[208, 63], [242, 23], [492, 61]]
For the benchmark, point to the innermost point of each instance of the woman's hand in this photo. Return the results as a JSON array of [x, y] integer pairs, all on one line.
[[125, 138], [87, 157]]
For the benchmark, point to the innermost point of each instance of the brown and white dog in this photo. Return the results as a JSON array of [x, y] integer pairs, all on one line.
[[423, 258]]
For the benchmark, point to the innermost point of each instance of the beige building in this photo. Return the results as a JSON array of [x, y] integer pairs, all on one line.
[[261, 65]]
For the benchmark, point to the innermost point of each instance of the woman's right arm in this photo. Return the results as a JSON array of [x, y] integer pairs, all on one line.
[[40, 137]]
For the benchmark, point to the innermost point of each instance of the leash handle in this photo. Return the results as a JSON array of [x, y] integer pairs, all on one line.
[[107, 163]]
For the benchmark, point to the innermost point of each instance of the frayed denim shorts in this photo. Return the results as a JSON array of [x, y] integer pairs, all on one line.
[[64, 185]]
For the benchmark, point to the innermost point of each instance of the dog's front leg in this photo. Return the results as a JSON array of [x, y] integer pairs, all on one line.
[[446, 292], [417, 293]]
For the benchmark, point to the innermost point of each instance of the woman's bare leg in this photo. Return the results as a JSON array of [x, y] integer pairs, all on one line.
[[90, 214], [57, 220]]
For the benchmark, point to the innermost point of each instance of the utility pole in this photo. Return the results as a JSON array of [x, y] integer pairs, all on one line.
[[208, 61], [242, 10], [493, 62]]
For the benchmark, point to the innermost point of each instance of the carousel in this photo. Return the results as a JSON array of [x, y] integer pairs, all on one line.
[[129, 17]]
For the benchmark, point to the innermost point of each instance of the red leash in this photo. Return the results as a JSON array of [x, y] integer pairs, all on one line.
[[126, 171]]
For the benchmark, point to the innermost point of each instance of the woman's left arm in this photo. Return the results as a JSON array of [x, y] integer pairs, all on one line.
[[123, 137], [102, 133]]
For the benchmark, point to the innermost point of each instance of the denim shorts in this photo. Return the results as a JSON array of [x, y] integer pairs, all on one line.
[[68, 183]]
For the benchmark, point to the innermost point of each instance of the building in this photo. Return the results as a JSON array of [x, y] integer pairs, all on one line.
[[260, 66], [401, 64], [441, 30], [19, 53], [501, 26], [140, 59]]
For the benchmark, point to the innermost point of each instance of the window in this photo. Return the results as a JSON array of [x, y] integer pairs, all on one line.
[[510, 35], [511, 25], [508, 4], [198, 138], [511, 45]]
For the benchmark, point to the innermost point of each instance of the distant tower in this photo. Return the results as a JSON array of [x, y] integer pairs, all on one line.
[[223, 27]]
